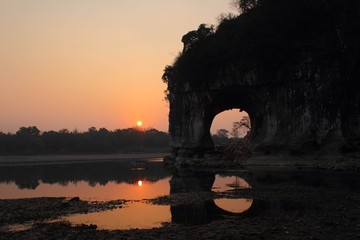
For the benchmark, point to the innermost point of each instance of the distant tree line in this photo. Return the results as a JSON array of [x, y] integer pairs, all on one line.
[[30, 140]]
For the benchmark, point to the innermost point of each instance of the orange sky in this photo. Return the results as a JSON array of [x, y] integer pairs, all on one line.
[[77, 64]]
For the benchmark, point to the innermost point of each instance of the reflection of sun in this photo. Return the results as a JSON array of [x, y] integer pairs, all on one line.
[[139, 123], [140, 183]]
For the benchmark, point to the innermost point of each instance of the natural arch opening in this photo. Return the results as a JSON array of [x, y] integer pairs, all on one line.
[[230, 126]]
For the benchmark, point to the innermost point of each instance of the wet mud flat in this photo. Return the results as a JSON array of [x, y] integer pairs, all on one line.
[[294, 207]]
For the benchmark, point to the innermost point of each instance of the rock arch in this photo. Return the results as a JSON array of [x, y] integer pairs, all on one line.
[[237, 99], [192, 114]]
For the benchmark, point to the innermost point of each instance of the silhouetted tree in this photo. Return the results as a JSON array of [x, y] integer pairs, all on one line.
[[195, 36], [28, 141], [244, 123], [33, 131], [222, 133], [92, 130], [221, 137], [64, 131]]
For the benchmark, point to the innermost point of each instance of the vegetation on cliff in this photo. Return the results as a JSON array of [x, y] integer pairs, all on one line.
[[268, 35]]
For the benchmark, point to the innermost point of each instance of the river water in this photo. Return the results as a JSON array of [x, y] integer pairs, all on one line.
[[140, 179]]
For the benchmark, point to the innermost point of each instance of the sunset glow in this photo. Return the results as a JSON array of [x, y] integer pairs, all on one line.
[[74, 65]]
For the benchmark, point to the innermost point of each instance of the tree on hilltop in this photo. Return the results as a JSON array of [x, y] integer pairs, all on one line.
[[244, 5], [195, 36]]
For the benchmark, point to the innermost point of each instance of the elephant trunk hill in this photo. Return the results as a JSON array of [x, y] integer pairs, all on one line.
[[293, 66]]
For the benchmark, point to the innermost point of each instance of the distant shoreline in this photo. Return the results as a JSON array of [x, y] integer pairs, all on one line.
[[69, 159]]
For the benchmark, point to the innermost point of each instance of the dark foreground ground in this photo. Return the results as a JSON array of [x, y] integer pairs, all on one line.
[[281, 210]]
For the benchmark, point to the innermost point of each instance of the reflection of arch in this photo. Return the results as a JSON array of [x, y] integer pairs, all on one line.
[[234, 205], [277, 207], [230, 182], [245, 177], [201, 211], [204, 181]]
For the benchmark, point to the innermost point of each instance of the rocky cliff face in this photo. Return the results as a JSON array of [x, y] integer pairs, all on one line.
[[294, 67]]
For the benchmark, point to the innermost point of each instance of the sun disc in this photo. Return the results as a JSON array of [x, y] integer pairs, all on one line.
[[139, 123]]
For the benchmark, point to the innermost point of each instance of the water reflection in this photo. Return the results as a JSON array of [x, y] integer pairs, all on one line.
[[124, 171], [135, 215], [146, 179], [82, 189], [138, 214], [204, 211], [229, 182], [140, 183], [189, 181], [89, 181], [234, 205]]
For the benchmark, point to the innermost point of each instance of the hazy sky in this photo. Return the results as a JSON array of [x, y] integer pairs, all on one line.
[[80, 63]]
